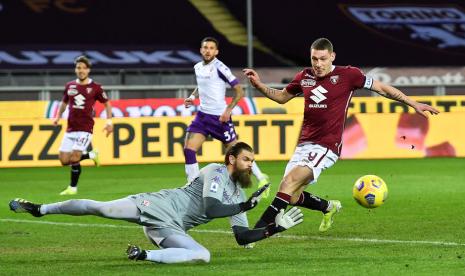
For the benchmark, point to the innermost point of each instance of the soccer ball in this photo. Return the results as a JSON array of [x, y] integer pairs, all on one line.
[[370, 191]]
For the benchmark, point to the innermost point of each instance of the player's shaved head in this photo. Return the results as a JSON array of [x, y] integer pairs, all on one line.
[[322, 44]]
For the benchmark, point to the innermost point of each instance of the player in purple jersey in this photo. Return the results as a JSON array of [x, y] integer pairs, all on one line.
[[327, 90], [80, 96], [214, 115]]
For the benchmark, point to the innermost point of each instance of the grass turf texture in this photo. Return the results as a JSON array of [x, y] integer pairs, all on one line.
[[425, 205]]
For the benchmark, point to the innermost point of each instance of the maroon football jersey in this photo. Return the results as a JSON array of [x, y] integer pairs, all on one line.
[[81, 100], [326, 103]]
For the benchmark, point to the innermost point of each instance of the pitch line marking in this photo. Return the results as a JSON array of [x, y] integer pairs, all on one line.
[[294, 237]]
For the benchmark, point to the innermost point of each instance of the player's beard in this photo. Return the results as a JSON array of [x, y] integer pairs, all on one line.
[[208, 60], [83, 78], [243, 177]]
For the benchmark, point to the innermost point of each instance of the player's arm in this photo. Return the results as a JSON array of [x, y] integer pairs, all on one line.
[[238, 94], [393, 93], [279, 96], [190, 100], [61, 109], [108, 124], [283, 221], [214, 208]]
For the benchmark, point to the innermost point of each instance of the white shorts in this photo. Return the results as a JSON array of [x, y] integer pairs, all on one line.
[[316, 157], [75, 141]]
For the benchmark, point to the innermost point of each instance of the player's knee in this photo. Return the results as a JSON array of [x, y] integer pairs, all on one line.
[[289, 184], [64, 162], [105, 211], [203, 255], [74, 159]]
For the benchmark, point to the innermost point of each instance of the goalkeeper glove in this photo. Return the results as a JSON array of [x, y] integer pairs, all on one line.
[[253, 199], [284, 221]]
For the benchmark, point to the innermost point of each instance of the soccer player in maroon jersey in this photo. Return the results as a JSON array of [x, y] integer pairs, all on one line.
[[80, 96], [327, 90]]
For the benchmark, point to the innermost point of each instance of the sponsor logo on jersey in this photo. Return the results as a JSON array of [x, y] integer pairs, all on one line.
[[318, 92], [334, 79], [307, 83], [72, 92], [203, 77], [439, 27], [318, 96], [89, 90], [79, 101], [318, 105]]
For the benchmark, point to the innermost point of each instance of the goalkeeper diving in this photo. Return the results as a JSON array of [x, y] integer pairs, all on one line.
[[167, 215]]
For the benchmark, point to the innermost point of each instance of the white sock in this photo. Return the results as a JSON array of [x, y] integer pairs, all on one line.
[[43, 209], [257, 172], [53, 208], [330, 206], [192, 171], [177, 255], [91, 154]]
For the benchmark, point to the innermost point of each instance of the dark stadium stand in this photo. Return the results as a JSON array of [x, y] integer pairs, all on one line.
[[290, 29], [286, 30], [157, 42], [106, 26]]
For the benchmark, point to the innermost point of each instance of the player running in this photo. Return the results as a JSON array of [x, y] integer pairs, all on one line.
[[80, 96], [214, 115], [327, 90]]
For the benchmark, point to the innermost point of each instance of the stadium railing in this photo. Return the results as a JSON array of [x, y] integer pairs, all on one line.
[[115, 92]]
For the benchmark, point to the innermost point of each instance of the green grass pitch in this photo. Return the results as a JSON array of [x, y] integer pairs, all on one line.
[[419, 230]]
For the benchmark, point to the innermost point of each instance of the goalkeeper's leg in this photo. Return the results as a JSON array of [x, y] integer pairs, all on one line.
[[176, 249], [123, 209]]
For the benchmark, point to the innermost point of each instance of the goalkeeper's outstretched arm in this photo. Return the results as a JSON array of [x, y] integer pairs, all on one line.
[[216, 209], [282, 222], [245, 235]]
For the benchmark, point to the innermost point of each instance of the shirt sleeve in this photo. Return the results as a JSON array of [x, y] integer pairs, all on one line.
[[241, 218], [65, 95], [226, 75], [214, 183], [294, 86], [101, 95], [359, 79]]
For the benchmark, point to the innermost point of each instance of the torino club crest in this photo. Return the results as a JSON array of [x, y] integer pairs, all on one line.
[[334, 79]]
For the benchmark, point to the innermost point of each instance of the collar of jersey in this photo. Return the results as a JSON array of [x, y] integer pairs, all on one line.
[[90, 81], [206, 64]]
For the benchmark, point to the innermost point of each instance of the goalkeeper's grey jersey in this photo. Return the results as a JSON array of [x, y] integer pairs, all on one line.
[[183, 208]]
